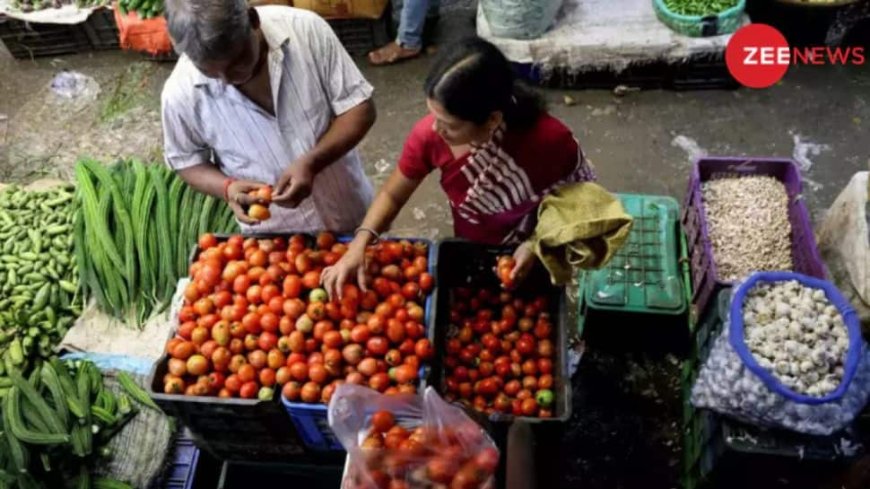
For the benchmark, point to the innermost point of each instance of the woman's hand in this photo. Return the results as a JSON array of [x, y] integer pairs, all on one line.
[[239, 200], [351, 266], [525, 260]]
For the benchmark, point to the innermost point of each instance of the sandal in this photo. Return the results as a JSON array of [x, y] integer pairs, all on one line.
[[392, 53]]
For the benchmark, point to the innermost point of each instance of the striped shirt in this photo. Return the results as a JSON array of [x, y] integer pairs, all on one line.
[[495, 189], [313, 80]]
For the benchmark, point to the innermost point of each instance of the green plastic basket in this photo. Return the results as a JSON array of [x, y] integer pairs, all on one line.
[[724, 22], [648, 276]]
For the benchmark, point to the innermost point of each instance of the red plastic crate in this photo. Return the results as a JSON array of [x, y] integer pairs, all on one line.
[[705, 276]]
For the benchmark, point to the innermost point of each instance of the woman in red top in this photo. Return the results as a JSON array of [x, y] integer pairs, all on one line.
[[498, 150]]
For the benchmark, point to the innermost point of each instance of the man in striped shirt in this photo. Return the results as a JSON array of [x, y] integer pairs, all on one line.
[[267, 96]]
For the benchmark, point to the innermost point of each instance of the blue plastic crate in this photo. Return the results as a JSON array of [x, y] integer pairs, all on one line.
[[311, 420], [183, 471]]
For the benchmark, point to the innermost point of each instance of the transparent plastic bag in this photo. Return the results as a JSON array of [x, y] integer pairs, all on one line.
[[734, 382], [447, 444]]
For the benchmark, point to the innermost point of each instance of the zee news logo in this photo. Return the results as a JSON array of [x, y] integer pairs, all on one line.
[[758, 56]]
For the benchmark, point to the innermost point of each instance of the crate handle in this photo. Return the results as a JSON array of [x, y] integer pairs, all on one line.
[[743, 167]]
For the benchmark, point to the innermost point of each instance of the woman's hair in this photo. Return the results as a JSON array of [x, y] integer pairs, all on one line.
[[472, 79]]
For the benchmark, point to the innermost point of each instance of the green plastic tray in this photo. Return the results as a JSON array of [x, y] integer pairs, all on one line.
[[646, 275]]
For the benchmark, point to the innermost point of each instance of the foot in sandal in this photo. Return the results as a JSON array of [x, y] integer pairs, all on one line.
[[392, 53]]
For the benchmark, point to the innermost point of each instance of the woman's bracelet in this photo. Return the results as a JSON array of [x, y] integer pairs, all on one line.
[[371, 231]]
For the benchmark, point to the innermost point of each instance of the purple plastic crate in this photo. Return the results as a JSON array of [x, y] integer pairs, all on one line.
[[705, 277]]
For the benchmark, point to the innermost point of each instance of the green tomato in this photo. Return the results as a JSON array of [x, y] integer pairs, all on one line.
[[318, 295], [266, 394], [544, 398]]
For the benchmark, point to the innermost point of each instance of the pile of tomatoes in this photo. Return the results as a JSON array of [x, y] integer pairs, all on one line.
[[500, 353], [394, 457], [255, 320]]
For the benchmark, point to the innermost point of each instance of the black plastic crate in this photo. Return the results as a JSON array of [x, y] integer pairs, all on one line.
[[360, 36], [26, 40], [230, 429], [316, 474], [465, 264], [101, 29]]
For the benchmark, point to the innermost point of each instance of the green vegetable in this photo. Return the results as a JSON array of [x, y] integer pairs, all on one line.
[[545, 398]]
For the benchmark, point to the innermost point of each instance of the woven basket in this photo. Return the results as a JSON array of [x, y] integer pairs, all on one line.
[[725, 22]]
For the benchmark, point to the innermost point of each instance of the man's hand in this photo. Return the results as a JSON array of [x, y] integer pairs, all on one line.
[[295, 183], [239, 200]]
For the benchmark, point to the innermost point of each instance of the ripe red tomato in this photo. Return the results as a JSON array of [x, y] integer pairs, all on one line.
[[310, 392], [368, 367], [299, 371], [526, 345], [395, 331], [383, 421], [393, 358], [404, 374], [545, 366], [377, 346], [545, 382], [207, 241], [423, 349], [249, 390], [379, 382], [427, 283], [311, 280], [530, 407], [269, 321], [530, 367], [545, 349], [267, 341], [267, 377], [512, 388], [318, 374], [233, 384], [359, 334]]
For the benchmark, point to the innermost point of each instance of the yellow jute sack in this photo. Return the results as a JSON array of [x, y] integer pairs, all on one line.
[[581, 225]]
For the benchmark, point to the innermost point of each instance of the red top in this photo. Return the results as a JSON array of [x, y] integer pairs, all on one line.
[[494, 190]]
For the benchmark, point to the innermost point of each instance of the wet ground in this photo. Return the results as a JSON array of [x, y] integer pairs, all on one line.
[[625, 429]]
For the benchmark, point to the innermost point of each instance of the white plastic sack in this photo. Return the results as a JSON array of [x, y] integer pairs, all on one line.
[[733, 382], [519, 19]]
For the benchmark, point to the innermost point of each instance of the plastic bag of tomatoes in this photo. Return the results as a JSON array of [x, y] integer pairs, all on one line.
[[410, 441]]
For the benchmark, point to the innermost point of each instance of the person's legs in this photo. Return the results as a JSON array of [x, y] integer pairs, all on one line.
[[411, 23], [409, 41]]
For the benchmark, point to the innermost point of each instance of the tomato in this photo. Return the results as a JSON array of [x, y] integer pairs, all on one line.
[[294, 308], [310, 392], [545, 348], [487, 460], [377, 346], [183, 350], [352, 354], [173, 385], [311, 346], [311, 280], [316, 311], [292, 286], [487, 387], [197, 365], [208, 348], [258, 258], [355, 378], [220, 358], [257, 359], [321, 328], [404, 374], [332, 358], [318, 373], [249, 390], [393, 358], [246, 372], [502, 403], [413, 361], [269, 322], [304, 324], [530, 367], [512, 388], [395, 331], [466, 390], [530, 383], [369, 300], [530, 407], [237, 346], [376, 325], [286, 326], [267, 377], [359, 334], [379, 382], [292, 391], [254, 294], [368, 367], [233, 383], [407, 347], [485, 368], [526, 346], [441, 469], [177, 367], [545, 382], [382, 421], [299, 371]]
